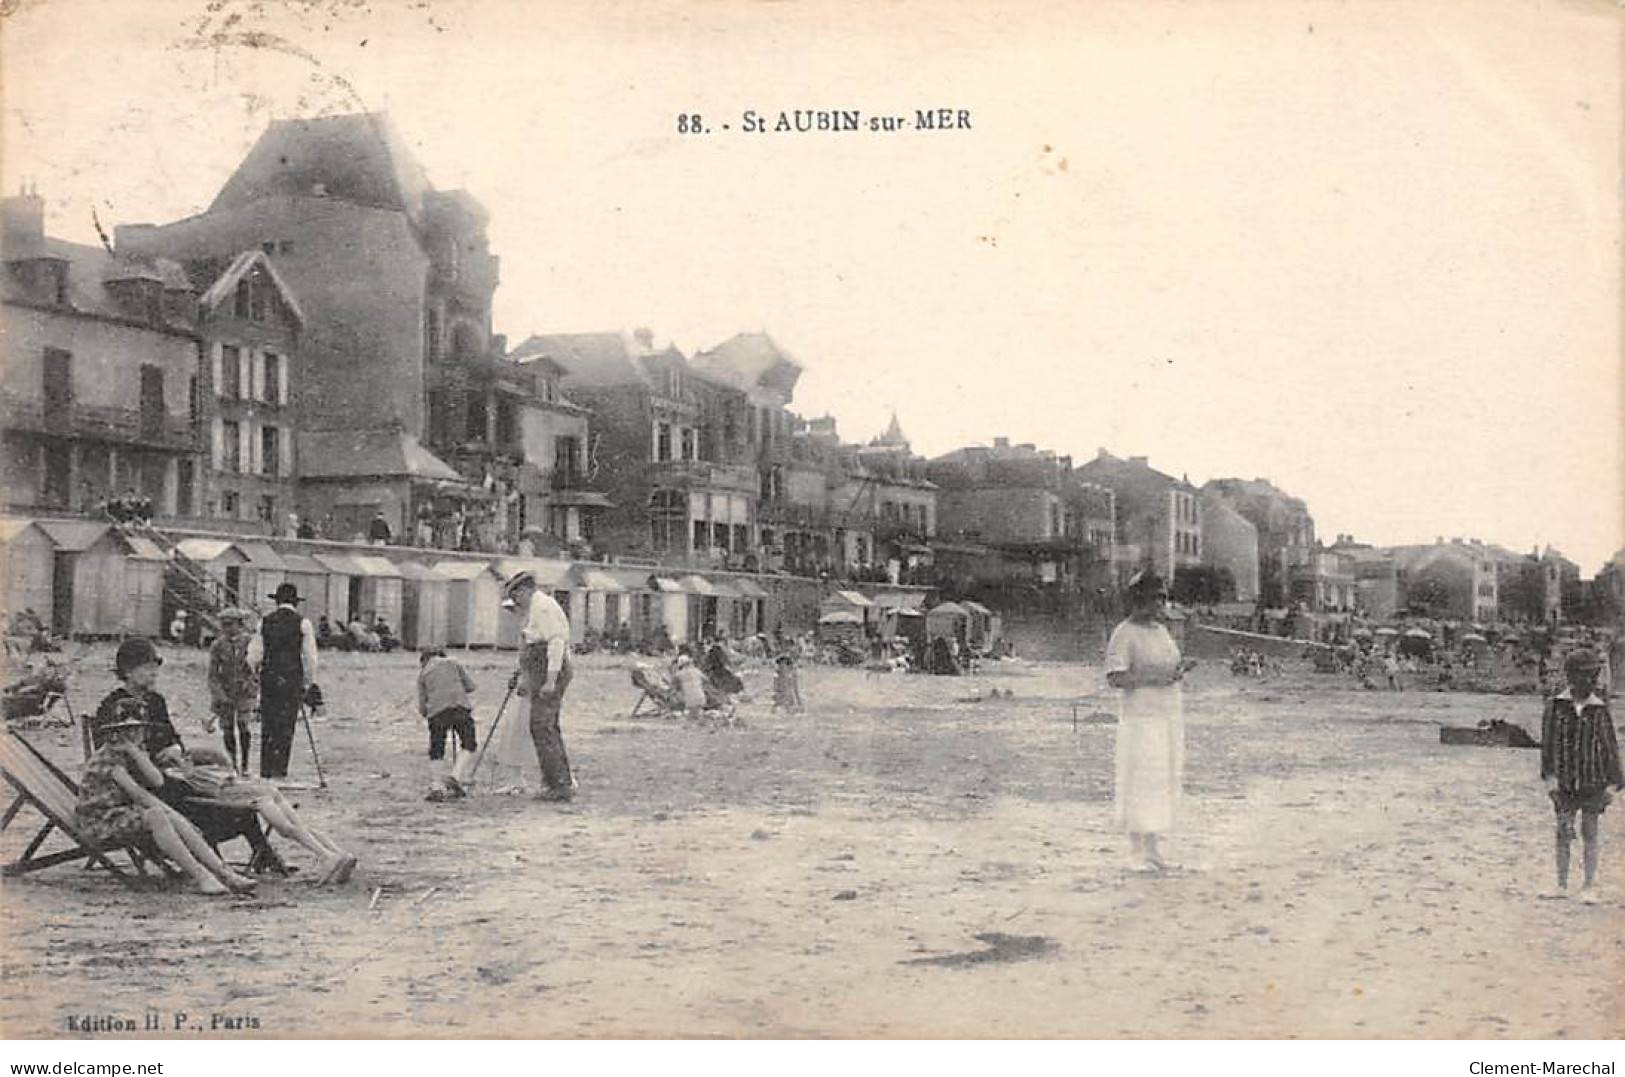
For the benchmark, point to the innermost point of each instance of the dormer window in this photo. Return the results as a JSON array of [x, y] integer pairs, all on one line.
[[674, 383]]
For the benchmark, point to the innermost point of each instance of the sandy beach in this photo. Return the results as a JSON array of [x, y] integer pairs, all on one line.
[[891, 863]]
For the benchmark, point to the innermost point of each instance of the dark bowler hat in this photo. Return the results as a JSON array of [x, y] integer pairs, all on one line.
[[1582, 660], [133, 652], [286, 594]]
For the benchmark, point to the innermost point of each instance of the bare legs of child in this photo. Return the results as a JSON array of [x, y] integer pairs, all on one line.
[[1588, 855], [280, 816], [180, 841]]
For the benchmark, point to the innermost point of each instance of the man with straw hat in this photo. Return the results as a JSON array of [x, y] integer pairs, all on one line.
[[543, 675], [284, 653]]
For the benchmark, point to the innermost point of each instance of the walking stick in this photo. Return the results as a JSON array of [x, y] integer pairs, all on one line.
[[479, 756], [304, 712]]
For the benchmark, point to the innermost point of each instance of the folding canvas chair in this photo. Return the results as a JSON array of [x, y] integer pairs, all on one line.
[[42, 784]]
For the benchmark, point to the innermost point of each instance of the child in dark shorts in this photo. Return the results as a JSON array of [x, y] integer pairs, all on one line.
[[1579, 761], [443, 690]]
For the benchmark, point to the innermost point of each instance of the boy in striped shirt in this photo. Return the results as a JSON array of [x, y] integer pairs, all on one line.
[[1579, 761]]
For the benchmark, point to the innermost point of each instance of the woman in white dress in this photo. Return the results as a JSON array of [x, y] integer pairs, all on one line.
[[1143, 661]]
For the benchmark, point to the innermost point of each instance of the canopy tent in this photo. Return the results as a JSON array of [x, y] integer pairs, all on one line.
[[948, 619], [473, 602], [424, 597]]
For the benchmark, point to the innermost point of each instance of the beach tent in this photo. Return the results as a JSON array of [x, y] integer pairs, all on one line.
[[144, 565], [265, 572], [948, 619], [424, 597], [473, 602], [841, 626], [344, 578], [310, 577], [380, 589], [27, 560], [980, 633], [87, 578], [551, 576]]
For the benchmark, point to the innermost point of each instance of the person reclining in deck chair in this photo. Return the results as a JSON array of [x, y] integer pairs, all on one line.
[[117, 807], [204, 773]]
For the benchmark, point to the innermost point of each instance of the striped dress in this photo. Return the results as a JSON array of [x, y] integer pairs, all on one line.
[[1579, 746]]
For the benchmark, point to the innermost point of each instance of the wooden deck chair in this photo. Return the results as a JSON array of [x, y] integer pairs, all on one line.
[[40, 783]]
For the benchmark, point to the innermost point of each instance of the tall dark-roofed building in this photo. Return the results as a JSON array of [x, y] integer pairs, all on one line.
[[394, 278], [1286, 534], [1159, 517]]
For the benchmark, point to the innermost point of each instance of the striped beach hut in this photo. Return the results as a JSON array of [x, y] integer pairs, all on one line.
[[344, 578], [473, 602], [424, 597]]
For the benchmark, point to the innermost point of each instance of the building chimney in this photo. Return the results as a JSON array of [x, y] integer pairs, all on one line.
[[645, 337], [1001, 443], [22, 216]]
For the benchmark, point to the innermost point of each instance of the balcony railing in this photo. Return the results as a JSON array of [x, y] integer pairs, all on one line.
[[706, 473], [99, 423]]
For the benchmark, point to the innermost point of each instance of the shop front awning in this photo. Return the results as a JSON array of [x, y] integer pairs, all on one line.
[[750, 589], [699, 585], [667, 585], [854, 598], [725, 589]]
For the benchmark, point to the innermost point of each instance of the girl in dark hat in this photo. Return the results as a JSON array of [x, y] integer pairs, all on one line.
[[118, 806], [1143, 662], [136, 666]]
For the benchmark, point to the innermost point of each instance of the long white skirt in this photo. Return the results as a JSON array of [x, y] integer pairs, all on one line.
[[511, 759], [1150, 759]]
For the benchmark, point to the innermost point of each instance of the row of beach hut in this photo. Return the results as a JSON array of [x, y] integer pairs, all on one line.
[[84, 578]]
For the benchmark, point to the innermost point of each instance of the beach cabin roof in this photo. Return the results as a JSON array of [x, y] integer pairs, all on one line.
[[465, 570], [667, 585], [262, 555], [853, 597], [550, 574], [901, 600], [143, 548], [977, 607], [379, 567], [72, 536], [303, 564], [594, 579], [750, 589], [841, 617], [340, 564], [725, 589], [948, 609], [11, 527], [699, 585], [203, 549], [411, 570]]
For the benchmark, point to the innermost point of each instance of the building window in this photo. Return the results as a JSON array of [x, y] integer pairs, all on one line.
[[266, 509], [270, 451], [231, 364], [663, 442], [273, 378], [259, 300], [474, 427], [58, 387], [719, 534], [567, 457], [230, 448], [674, 383], [191, 398], [431, 334], [687, 436], [239, 302], [230, 504], [741, 538], [668, 519], [702, 535]]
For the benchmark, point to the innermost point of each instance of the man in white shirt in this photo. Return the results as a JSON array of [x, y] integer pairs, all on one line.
[[283, 651], [543, 673]]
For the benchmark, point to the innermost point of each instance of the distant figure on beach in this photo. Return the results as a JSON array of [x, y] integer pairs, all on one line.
[[1579, 760], [1143, 661]]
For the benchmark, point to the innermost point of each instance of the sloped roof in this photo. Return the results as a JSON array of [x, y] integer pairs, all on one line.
[[143, 548], [303, 564], [381, 567], [387, 453], [359, 157], [72, 536], [464, 570], [746, 360], [262, 554], [90, 268], [11, 527], [548, 573], [593, 579], [340, 564], [226, 283], [412, 570], [593, 360]]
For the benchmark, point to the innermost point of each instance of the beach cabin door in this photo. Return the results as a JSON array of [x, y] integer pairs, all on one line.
[[62, 595]]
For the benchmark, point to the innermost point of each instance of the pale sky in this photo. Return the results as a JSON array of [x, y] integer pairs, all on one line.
[[1372, 251]]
